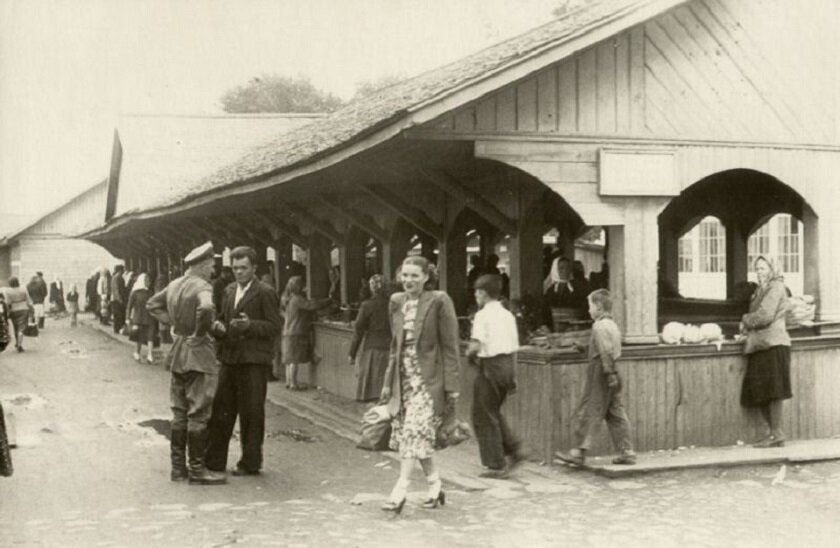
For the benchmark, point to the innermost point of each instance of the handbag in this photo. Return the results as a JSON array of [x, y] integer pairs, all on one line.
[[376, 429], [31, 329], [452, 430]]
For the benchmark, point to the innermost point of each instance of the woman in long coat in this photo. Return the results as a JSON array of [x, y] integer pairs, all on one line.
[[767, 378], [142, 324], [298, 313], [422, 377], [372, 332]]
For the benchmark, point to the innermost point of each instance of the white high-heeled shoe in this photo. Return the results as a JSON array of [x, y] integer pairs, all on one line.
[[396, 500]]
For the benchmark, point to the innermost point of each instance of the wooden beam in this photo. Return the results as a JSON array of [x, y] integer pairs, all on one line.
[[410, 213], [471, 199], [354, 217], [237, 231], [254, 230], [215, 232], [278, 228], [323, 228]]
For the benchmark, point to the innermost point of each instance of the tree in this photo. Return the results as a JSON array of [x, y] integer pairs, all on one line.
[[367, 87], [275, 93]]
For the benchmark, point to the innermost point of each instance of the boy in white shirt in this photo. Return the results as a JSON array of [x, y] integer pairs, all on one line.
[[494, 341]]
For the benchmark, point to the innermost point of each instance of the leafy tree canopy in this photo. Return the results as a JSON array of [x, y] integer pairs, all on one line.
[[276, 93]]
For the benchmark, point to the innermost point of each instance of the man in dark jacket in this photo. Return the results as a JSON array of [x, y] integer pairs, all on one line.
[[248, 323], [37, 289]]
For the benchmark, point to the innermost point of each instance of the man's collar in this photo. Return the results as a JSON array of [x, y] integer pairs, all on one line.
[[246, 286]]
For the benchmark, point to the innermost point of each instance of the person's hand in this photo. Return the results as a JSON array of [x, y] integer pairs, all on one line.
[[218, 328], [577, 347], [385, 395], [242, 323], [452, 396], [613, 381]]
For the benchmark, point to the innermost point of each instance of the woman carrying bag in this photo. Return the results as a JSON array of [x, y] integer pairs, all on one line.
[[421, 382], [20, 309]]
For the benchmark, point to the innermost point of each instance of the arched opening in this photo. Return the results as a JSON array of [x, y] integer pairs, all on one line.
[[710, 234]]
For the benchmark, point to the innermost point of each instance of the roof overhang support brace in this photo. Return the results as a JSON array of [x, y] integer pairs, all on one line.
[[471, 199], [218, 237], [354, 217], [410, 213], [313, 223], [278, 228]]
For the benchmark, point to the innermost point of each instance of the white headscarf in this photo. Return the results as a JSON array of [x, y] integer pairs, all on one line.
[[142, 282], [553, 277]]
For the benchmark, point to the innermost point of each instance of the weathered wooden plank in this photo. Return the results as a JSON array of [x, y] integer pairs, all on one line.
[[587, 82], [506, 109], [606, 87], [622, 83], [547, 101], [526, 105], [638, 103], [567, 172], [567, 96], [536, 151], [465, 119], [485, 115]]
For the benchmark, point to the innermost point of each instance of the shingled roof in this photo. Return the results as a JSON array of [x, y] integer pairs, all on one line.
[[395, 103]]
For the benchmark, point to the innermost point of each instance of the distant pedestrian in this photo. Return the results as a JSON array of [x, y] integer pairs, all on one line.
[[118, 300], [422, 377], [602, 391], [37, 289], [103, 291], [246, 329], [73, 305], [767, 379], [372, 333], [141, 324], [57, 295], [187, 305], [20, 308], [298, 313], [494, 342]]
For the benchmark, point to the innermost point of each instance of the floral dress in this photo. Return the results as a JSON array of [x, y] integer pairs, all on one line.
[[413, 429]]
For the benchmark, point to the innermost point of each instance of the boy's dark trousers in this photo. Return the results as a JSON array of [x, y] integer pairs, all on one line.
[[495, 380]]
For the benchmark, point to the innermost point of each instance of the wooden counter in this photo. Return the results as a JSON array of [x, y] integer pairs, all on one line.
[[676, 396]]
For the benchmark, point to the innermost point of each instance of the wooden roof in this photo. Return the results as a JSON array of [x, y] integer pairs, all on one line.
[[380, 116]]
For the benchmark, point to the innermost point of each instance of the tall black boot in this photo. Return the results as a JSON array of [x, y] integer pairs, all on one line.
[[178, 453], [41, 322], [198, 472]]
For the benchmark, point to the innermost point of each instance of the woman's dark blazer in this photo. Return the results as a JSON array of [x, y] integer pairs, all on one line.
[[373, 325], [438, 347]]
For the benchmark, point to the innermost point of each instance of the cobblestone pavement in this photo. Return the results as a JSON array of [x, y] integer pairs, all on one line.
[[92, 470]]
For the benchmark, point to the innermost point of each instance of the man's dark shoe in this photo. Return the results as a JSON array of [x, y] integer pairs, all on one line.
[[570, 458], [244, 472], [495, 473], [625, 458]]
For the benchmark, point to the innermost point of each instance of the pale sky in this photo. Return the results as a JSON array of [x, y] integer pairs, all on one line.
[[68, 69]]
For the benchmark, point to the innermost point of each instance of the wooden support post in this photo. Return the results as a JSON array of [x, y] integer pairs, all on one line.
[[632, 255], [736, 256], [352, 262], [811, 253], [395, 248], [453, 268], [318, 267], [525, 247]]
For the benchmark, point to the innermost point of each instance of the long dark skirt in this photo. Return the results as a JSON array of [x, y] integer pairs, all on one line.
[[767, 377], [370, 370]]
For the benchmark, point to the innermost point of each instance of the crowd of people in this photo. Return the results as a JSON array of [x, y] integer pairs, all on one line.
[[229, 326]]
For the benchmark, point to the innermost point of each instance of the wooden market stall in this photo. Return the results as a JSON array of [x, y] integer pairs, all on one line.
[[638, 116]]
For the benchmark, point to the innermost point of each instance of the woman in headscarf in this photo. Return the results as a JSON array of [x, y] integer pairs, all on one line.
[[73, 305], [767, 378], [20, 307], [141, 322], [373, 335], [298, 313], [103, 289]]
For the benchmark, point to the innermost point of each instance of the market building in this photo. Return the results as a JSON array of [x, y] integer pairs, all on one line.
[[49, 244], [642, 117]]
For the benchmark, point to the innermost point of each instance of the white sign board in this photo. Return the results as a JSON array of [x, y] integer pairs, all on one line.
[[638, 172]]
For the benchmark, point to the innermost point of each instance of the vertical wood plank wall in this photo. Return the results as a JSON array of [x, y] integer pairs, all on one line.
[[675, 401]]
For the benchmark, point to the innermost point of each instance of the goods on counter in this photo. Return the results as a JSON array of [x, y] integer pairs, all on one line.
[[672, 333], [802, 309], [676, 333]]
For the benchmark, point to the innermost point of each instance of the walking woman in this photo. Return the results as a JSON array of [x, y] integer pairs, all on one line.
[[767, 379], [142, 324], [20, 307], [73, 305], [422, 377], [298, 312], [373, 335]]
